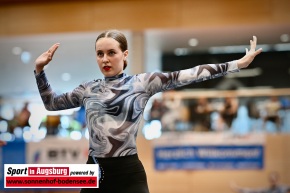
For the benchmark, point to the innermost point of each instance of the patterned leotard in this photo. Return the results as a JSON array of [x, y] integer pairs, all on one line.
[[114, 106]]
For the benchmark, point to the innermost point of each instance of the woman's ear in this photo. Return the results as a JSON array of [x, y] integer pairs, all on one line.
[[126, 54]]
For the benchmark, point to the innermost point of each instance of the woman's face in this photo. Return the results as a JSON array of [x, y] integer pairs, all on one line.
[[110, 57]]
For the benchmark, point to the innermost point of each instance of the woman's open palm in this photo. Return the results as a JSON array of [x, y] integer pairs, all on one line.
[[45, 57], [250, 54]]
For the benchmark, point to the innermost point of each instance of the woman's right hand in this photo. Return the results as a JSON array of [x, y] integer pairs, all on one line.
[[45, 58]]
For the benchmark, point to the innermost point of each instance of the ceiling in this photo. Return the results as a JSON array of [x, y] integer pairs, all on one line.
[[13, 2], [76, 54]]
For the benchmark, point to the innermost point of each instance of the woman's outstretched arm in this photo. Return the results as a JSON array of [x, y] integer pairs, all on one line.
[[158, 81]]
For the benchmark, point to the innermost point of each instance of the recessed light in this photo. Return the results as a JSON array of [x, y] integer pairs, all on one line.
[[193, 42], [181, 51], [285, 38], [66, 76], [25, 57], [282, 47], [16, 50]]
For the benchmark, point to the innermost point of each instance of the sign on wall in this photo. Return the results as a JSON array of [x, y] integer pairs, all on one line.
[[208, 151], [57, 151]]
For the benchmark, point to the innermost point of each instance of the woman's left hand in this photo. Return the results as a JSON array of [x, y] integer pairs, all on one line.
[[250, 54]]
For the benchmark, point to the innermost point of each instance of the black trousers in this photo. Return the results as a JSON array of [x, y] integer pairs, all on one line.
[[123, 174]]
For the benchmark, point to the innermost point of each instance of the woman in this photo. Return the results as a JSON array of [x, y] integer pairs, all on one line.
[[114, 106]]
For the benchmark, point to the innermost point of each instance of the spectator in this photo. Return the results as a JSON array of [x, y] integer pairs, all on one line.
[[156, 110], [272, 108], [2, 143], [23, 116], [201, 113], [229, 112]]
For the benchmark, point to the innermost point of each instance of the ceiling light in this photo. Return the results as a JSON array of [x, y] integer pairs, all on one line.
[[285, 38], [227, 49], [193, 42], [235, 49], [181, 51], [66, 76], [25, 57], [16, 50], [282, 47]]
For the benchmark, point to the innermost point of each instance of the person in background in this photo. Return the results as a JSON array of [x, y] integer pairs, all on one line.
[[2, 143], [23, 116], [172, 105], [229, 112], [157, 110], [201, 114], [115, 104], [274, 186], [272, 107], [242, 124]]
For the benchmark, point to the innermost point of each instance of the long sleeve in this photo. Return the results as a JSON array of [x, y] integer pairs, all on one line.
[[53, 101], [158, 82]]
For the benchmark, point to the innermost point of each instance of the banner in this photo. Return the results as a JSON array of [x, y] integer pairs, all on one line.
[[53, 150], [208, 151], [209, 157], [51, 176]]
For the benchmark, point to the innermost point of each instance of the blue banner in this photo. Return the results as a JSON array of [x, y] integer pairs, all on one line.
[[209, 157]]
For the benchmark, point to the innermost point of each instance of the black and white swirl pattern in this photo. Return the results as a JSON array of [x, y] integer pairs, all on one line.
[[114, 106]]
